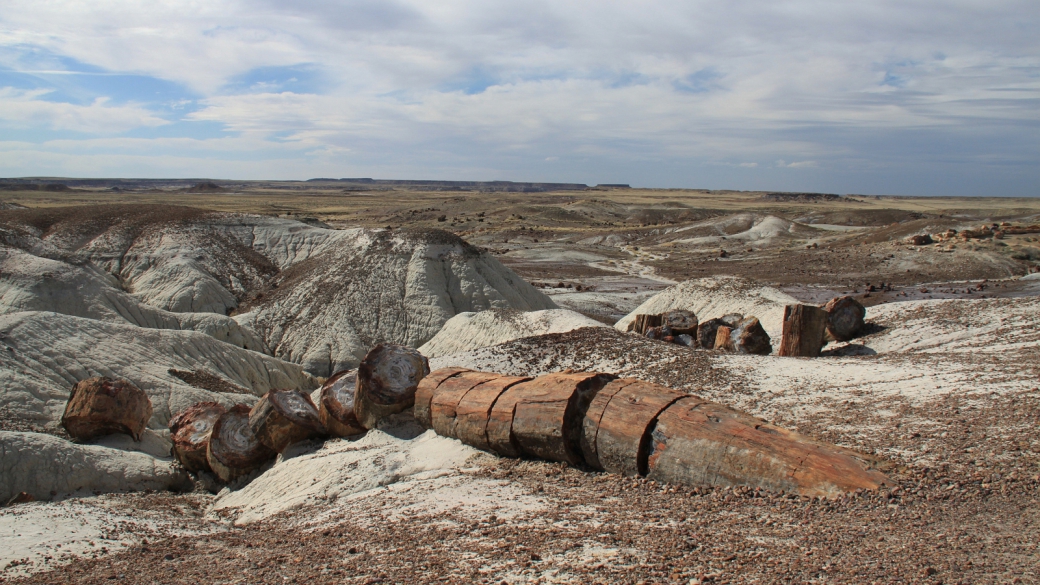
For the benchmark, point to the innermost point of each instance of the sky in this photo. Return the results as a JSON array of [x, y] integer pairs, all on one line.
[[909, 97]]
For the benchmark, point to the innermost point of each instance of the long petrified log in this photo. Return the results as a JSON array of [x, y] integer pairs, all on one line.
[[634, 427], [336, 405], [804, 327], [424, 393], [698, 442], [844, 318], [102, 406], [190, 431], [283, 417], [386, 382], [233, 449]]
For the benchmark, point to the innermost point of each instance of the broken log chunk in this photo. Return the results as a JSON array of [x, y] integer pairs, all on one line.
[[102, 406], [233, 449], [499, 429], [190, 431], [387, 379], [844, 318], [622, 433], [644, 322], [750, 337], [549, 412], [680, 322], [593, 417], [707, 331], [658, 333], [424, 393], [804, 328], [283, 417], [447, 397], [697, 442], [474, 410], [723, 340], [336, 405]]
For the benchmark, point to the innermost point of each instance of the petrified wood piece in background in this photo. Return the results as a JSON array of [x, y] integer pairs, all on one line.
[[750, 337], [283, 417], [643, 322], [102, 406], [424, 393], [723, 339], [336, 405], [804, 327], [387, 379], [680, 322], [190, 431], [549, 413], [618, 424], [844, 318], [698, 442], [708, 330], [233, 449]]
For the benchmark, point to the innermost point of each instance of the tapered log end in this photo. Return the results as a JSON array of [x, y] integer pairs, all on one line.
[[102, 406]]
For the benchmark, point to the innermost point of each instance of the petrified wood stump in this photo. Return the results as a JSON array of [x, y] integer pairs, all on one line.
[[336, 405], [443, 407], [474, 410], [283, 417], [680, 322], [425, 391], [844, 318], [549, 412], [102, 406], [233, 449], [618, 424], [643, 322], [804, 327], [698, 442], [387, 380], [190, 431]]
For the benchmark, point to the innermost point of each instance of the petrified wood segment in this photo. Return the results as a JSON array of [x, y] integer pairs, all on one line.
[[708, 330], [425, 391], [499, 431], [750, 337], [102, 406], [680, 322], [336, 405], [387, 380], [804, 327], [698, 442], [190, 431], [283, 417], [723, 339], [643, 322], [548, 416], [447, 397], [593, 417], [233, 449], [622, 436], [844, 318], [474, 410]]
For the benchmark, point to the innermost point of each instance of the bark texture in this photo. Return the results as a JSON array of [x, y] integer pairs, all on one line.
[[102, 406], [283, 417], [804, 327]]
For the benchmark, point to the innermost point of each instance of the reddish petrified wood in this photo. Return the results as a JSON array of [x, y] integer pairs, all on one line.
[[708, 330], [723, 339], [474, 410], [233, 449], [283, 417], [593, 417], [844, 318], [499, 430], [680, 322], [425, 391], [447, 396], [190, 431], [623, 434], [102, 406], [386, 382], [804, 327], [698, 442], [336, 405], [643, 322], [549, 412]]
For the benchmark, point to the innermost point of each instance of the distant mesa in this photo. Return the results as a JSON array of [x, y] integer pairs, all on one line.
[[615, 185], [206, 187], [33, 187], [802, 197]]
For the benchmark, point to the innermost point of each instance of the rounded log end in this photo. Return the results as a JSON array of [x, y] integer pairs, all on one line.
[[387, 380], [191, 431], [234, 450], [102, 406], [283, 417], [336, 405]]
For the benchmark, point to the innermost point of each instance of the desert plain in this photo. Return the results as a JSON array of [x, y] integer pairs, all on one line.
[[223, 290]]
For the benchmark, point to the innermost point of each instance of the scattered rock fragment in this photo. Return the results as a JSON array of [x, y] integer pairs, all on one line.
[[102, 406]]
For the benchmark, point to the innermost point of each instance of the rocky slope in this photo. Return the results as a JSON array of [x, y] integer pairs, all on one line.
[[469, 331]]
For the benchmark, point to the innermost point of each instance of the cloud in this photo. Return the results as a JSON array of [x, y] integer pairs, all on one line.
[[28, 109]]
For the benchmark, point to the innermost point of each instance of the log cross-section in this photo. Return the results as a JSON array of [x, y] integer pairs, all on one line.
[[804, 327], [233, 449], [387, 379], [190, 432], [336, 405], [844, 318], [283, 417]]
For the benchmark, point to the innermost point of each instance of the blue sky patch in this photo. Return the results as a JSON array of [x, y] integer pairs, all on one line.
[[302, 78]]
